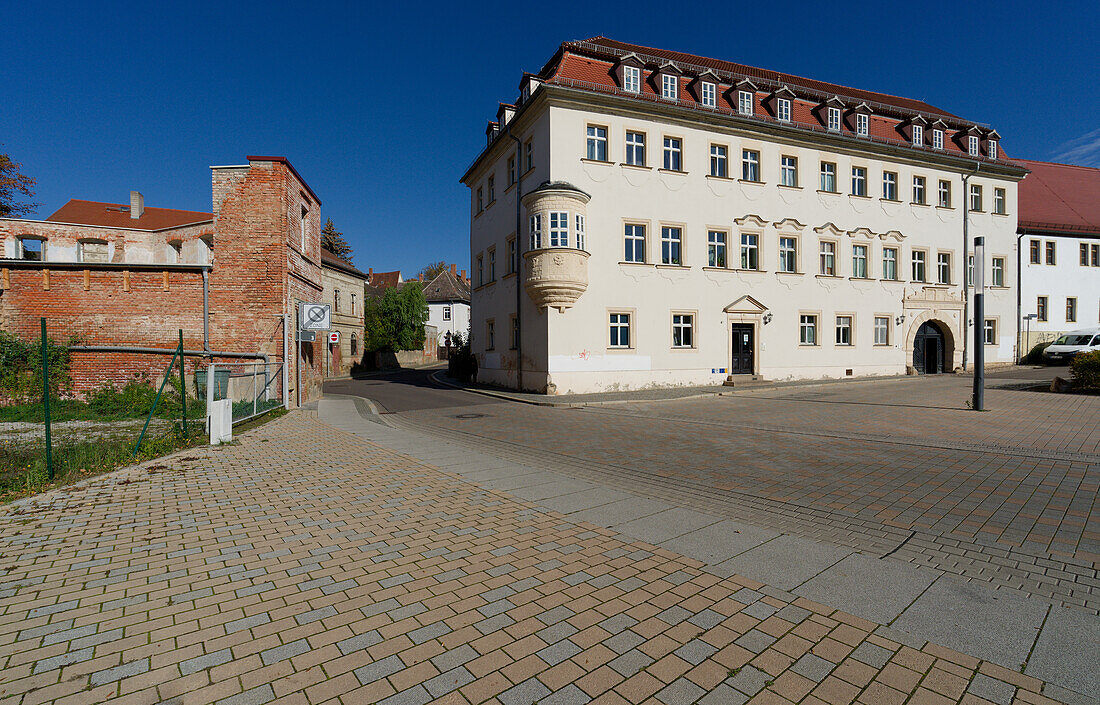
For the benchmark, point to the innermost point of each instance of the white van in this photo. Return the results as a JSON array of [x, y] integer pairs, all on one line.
[[1066, 346]]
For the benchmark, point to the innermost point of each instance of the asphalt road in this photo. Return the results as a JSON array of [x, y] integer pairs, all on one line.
[[407, 390]]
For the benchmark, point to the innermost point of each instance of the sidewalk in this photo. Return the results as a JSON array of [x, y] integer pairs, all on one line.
[[351, 562]]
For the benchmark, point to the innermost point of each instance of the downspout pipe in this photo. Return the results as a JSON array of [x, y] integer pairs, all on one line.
[[519, 258], [206, 310], [966, 260]]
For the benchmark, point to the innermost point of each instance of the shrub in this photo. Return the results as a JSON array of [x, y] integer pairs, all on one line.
[[1086, 370], [21, 368], [1035, 356], [462, 365]]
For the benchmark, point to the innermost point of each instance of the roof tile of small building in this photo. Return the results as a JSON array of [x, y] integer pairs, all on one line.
[[447, 287], [117, 215], [1060, 198]]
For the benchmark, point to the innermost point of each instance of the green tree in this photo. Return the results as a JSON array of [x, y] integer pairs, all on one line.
[[395, 321], [433, 270], [13, 183], [333, 241]]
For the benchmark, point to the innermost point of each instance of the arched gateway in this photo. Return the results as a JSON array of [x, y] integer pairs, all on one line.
[[932, 349]]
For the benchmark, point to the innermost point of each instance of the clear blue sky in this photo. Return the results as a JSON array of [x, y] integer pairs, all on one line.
[[381, 106]]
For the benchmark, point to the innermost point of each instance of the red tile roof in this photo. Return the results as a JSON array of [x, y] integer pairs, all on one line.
[[384, 280], [117, 215], [1059, 197], [330, 260]]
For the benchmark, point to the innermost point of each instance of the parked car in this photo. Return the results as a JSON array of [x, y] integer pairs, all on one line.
[[1066, 346]]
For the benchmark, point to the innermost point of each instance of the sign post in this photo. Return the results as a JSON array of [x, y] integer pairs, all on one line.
[[979, 324]]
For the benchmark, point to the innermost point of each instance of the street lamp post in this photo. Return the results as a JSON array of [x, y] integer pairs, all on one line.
[[979, 324]]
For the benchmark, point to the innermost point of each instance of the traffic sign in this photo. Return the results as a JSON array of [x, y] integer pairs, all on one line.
[[314, 316], [334, 337], [306, 336]]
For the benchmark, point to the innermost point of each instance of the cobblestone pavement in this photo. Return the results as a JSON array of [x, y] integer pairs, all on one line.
[[899, 467], [307, 565]]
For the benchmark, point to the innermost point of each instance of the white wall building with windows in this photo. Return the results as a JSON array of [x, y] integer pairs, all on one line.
[[676, 231], [1059, 229], [448, 296]]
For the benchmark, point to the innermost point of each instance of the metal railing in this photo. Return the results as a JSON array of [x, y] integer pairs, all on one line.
[[255, 388]]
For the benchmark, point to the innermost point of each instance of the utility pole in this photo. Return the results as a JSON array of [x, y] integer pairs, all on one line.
[[979, 323]]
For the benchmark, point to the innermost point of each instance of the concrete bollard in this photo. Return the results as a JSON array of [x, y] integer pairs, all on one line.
[[219, 419]]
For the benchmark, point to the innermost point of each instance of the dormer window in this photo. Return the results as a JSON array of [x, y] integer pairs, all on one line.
[[863, 124], [918, 135], [783, 110], [670, 86], [708, 94], [744, 102], [972, 145], [632, 79], [833, 116], [992, 149], [937, 139]]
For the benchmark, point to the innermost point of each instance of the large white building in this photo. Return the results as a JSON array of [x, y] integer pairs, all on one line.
[[448, 296], [675, 220], [1059, 228]]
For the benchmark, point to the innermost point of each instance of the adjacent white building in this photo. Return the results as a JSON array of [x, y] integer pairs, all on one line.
[[676, 220], [1059, 229], [448, 296]]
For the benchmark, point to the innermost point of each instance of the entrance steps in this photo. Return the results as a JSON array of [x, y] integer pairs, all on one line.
[[744, 381]]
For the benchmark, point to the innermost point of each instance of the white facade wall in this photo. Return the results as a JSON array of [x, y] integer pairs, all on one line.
[[569, 350], [1066, 278], [459, 319]]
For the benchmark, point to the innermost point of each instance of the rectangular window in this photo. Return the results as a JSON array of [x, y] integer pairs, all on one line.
[[597, 143], [788, 171], [1071, 309], [890, 263], [480, 270], [783, 110], [975, 197], [492, 264], [807, 330], [1095, 249], [749, 251], [536, 231], [1041, 308], [492, 186], [718, 160], [750, 165], [530, 149], [997, 272], [744, 102], [95, 251], [620, 330], [336, 300], [863, 124], [635, 243], [1036, 252], [828, 177], [859, 261], [1084, 254], [304, 221], [708, 94], [992, 149], [843, 330], [480, 206], [972, 146], [490, 335], [834, 119], [788, 254], [716, 248], [882, 330], [683, 330], [999, 201], [943, 267], [828, 258], [670, 87], [859, 181], [970, 270], [632, 79], [937, 139], [919, 190], [890, 185], [919, 266], [515, 332], [559, 229], [511, 170], [512, 255], [580, 231], [989, 331], [635, 148], [673, 153], [446, 313], [944, 194], [918, 136], [1051, 251], [670, 245]]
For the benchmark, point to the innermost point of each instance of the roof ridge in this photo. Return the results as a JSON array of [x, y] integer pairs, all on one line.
[[1062, 164]]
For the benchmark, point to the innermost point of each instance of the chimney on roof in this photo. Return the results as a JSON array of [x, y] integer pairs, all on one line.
[[464, 275], [454, 267], [137, 204]]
